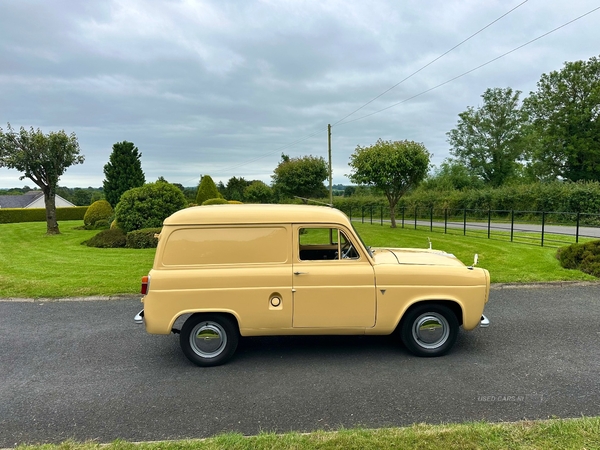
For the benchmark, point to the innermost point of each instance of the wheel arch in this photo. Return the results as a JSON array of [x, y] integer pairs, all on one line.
[[453, 305], [185, 315]]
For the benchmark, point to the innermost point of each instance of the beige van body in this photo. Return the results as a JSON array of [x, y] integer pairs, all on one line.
[[301, 270]]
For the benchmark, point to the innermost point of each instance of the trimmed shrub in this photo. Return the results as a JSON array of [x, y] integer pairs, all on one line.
[[101, 225], [143, 238], [215, 201], [112, 238], [585, 257], [148, 206], [99, 210], [234, 202], [207, 190]]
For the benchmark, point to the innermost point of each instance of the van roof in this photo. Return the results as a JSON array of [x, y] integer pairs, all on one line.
[[234, 214]]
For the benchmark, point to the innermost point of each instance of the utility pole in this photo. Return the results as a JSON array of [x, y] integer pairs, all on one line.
[[330, 177]]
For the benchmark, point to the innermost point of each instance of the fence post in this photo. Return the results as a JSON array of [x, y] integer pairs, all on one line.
[[512, 224], [465, 222], [445, 220], [543, 223], [431, 218], [489, 221], [351, 214], [577, 230], [371, 214], [416, 208], [403, 209], [362, 214], [381, 215]]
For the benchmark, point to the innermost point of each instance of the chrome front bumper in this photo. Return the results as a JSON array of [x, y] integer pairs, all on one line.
[[139, 317], [485, 322]]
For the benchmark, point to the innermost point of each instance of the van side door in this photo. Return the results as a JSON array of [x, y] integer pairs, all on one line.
[[333, 280]]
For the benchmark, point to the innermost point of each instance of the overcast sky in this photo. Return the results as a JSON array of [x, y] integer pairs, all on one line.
[[223, 87]]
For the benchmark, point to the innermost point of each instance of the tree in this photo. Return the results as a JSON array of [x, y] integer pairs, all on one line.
[[43, 159], [258, 192], [392, 167], [489, 140], [148, 206], [301, 177], [452, 175], [565, 117], [207, 189], [235, 189], [122, 172]]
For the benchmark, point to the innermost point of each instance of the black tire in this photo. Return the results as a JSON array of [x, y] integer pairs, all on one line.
[[429, 330], [209, 339]]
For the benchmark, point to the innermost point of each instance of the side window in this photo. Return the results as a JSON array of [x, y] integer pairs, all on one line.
[[320, 244]]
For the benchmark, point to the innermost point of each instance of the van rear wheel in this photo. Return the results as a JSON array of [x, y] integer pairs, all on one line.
[[208, 339]]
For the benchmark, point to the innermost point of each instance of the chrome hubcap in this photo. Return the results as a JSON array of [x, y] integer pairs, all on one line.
[[208, 339], [431, 330]]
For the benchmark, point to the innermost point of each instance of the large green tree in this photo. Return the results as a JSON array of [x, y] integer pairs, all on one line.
[[258, 192], [450, 175], [234, 190], [565, 117], [43, 158], [489, 139], [300, 177], [122, 172], [392, 167]]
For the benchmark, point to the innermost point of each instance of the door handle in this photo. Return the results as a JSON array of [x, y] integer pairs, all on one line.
[[300, 273]]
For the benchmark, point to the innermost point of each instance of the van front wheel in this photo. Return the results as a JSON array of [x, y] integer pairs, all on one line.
[[429, 330], [208, 339]]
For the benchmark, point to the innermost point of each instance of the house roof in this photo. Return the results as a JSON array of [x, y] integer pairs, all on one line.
[[19, 201]]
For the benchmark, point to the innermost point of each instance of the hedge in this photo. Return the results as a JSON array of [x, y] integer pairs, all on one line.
[[16, 215]]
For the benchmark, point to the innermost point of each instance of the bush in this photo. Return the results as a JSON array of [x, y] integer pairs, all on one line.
[[112, 238], [148, 206], [143, 238], [99, 210], [215, 201], [585, 257], [234, 202]]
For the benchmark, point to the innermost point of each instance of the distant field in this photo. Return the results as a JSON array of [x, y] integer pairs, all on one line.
[[35, 265]]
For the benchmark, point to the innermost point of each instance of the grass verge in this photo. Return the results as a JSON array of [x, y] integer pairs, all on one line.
[[564, 434]]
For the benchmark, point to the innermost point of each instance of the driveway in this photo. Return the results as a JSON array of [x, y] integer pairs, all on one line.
[[84, 370]]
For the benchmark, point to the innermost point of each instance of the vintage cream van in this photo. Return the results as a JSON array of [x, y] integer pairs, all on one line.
[[261, 270]]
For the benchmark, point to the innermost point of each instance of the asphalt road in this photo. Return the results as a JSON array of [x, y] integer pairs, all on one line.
[[84, 370]]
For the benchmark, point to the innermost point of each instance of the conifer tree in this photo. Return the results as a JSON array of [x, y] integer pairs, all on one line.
[[122, 172], [207, 190]]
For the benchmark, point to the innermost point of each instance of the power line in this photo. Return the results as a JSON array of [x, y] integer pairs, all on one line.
[[431, 62], [372, 100], [471, 70]]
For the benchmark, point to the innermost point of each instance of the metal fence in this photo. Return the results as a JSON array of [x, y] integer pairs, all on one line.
[[545, 228]]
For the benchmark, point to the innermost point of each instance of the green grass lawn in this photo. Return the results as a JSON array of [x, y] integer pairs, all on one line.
[[35, 265], [508, 262]]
